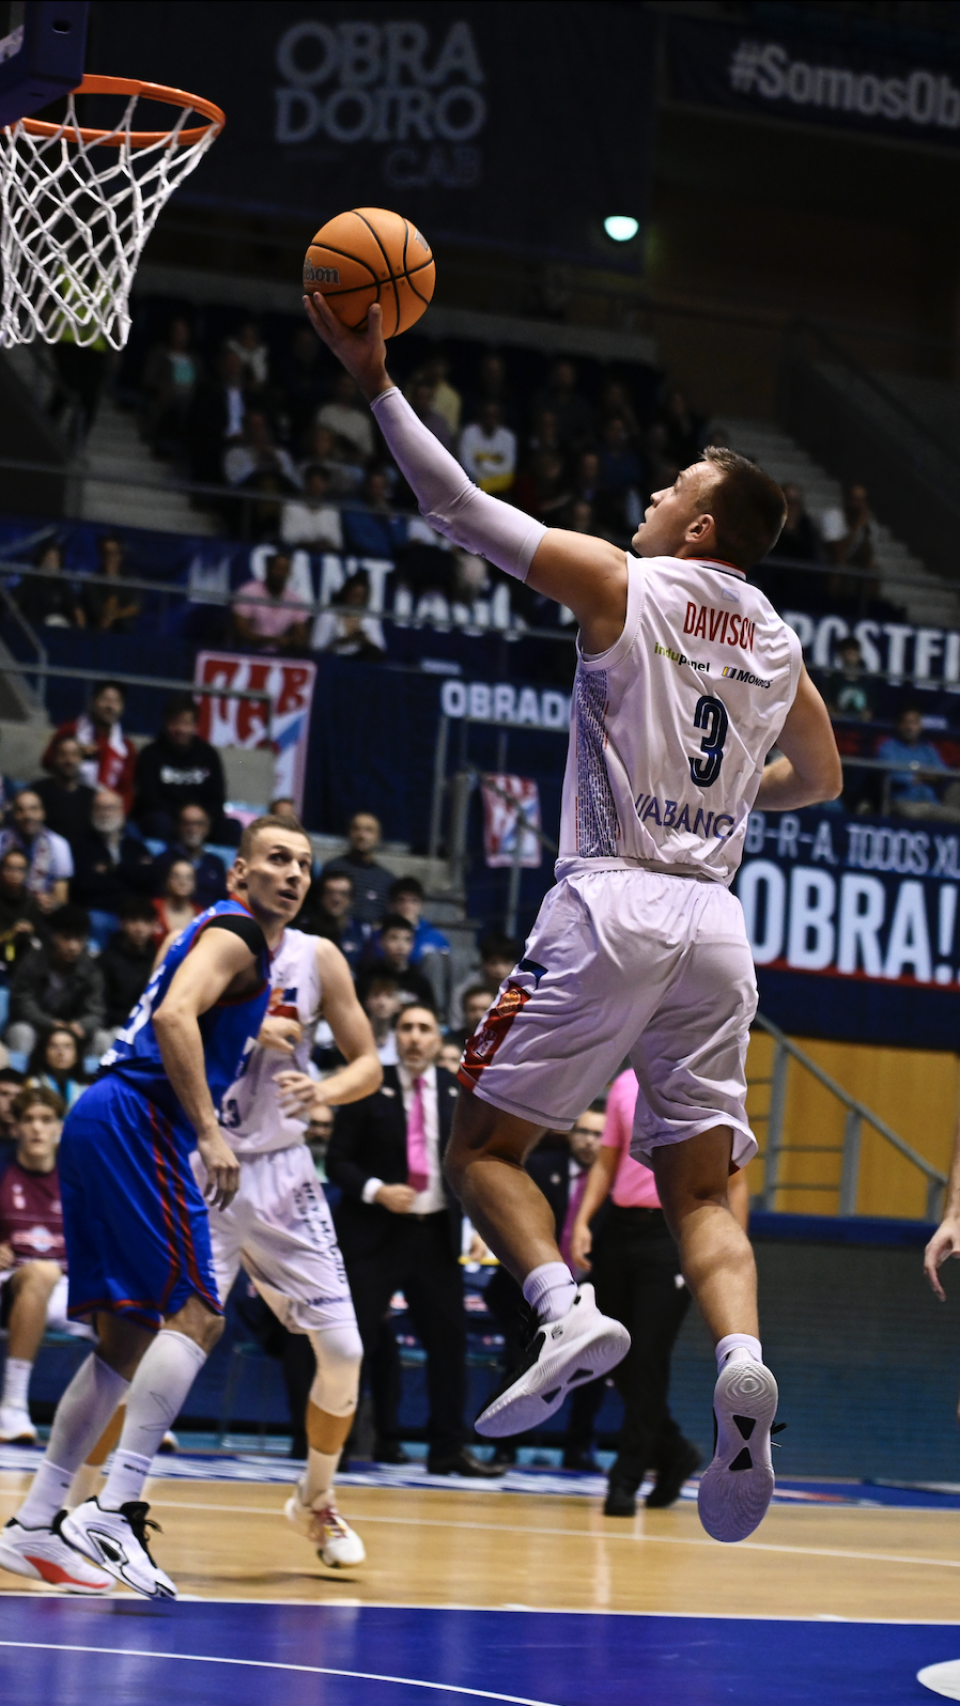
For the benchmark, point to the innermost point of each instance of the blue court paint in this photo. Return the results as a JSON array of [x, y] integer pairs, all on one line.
[[396, 1656]]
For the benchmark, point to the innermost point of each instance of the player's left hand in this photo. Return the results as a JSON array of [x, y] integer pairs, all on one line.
[[223, 1169], [280, 1034], [363, 354], [298, 1094], [944, 1243]]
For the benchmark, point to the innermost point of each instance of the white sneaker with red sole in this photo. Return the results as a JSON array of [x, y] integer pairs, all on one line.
[[43, 1555], [338, 1546]]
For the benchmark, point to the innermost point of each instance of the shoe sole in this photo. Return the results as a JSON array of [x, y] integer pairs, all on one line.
[[736, 1488], [540, 1392], [45, 1570], [157, 1591]]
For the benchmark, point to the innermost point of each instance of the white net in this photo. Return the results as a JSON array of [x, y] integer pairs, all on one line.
[[76, 215]]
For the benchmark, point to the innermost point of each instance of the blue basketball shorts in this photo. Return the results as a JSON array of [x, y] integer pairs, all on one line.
[[135, 1223]]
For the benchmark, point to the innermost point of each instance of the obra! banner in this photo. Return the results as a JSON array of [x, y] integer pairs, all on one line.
[[474, 120], [813, 79], [854, 926]]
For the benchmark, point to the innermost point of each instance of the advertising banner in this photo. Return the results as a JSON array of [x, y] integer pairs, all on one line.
[[853, 925], [502, 824], [244, 722], [815, 79], [908, 651], [484, 121]]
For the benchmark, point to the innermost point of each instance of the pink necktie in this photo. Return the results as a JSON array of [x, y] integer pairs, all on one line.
[[573, 1205], [418, 1167]]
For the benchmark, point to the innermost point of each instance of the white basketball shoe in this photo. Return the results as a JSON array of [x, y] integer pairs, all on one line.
[[338, 1546], [736, 1488], [117, 1541], [44, 1556], [562, 1355], [16, 1427]]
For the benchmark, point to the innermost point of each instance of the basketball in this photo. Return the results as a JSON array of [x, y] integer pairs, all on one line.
[[371, 255]]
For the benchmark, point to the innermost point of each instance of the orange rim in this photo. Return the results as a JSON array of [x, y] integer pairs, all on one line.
[[137, 138]]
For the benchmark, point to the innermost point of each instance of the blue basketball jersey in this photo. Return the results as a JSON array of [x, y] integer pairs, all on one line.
[[229, 1028]]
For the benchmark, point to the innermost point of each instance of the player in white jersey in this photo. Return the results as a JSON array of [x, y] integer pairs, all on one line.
[[278, 1226], [686, 679]]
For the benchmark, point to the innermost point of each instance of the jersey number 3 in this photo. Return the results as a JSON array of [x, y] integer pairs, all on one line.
[[711, 716]]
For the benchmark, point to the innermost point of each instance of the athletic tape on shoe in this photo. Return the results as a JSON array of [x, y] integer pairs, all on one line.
[[448, 499]]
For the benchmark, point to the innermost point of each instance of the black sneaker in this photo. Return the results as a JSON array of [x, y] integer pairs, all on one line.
[[671, 1477], [621, 1500]]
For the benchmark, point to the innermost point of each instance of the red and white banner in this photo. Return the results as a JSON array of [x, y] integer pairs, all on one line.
[[502, 823], [244, 722]]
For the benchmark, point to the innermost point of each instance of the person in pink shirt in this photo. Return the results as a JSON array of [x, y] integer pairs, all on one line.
[[636, 1271], [269, 618]]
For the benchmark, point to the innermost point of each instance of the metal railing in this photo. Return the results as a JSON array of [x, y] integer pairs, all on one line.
[[857, 1115], [170, 684]]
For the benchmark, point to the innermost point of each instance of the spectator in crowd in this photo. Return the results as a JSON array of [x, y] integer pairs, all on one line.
[[55, 1064], [543, 490], [256, 452], [286, 807], [492, 386], [635, 1267], [546, 433], [475, 1003], [799, 538], [848, 690], [435, 372], [47, 599], [49, 859], [421, 402], [580, 517], [488, 451], [912, 795], [109, 758], [193, 832], [849, 536], [450, 1055], [400, 1226], [573, 413], [21, 920], [327, 912], [349, 418], [300, 381], [127, 960], [662, 466], [67, 801], [310, 520], [33, 1255], [393, 948], [58, 983], [177, 769], [175, 906], [108, 607], [615, 400], [252, 354], [109, 862], [371, 882], [379, 992], [11, 1082], [685, 430], [621, 475], [216, 416], [351, 632], [343, 467], [169, 380], [374, 531], [498, 956], [267, 616], [431, 950]]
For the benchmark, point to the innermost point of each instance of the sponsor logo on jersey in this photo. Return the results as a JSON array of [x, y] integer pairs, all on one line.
[[672, 814], [320, 275], [680, 657], [730, 672], [723, 626], [283, 1004]]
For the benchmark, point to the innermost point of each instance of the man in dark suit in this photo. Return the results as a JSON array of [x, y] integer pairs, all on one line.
[[399, 1224]]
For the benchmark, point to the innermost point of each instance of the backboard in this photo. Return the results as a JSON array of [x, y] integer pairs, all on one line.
[[42, 45]]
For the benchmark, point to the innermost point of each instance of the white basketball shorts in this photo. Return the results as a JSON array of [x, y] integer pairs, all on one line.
[[279, 1227], [625, 964]]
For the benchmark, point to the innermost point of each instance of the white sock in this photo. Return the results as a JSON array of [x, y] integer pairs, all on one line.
[[550, 1290], [738, 1347], [16, 1381], [154, 1401], [82, 1414], [319, 1476]]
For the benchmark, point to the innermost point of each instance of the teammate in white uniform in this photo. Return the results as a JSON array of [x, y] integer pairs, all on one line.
[[686, 679], [278, 1226]]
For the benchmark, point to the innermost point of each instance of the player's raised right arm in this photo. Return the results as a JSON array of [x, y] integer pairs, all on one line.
[[588, 575], [215, 962]]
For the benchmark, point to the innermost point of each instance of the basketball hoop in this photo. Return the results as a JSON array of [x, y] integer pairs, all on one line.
[[78, 206]]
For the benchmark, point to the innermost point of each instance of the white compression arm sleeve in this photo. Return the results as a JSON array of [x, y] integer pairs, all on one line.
[[448, 499]]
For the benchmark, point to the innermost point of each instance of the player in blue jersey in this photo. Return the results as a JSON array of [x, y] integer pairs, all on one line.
[[136, 1223]]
